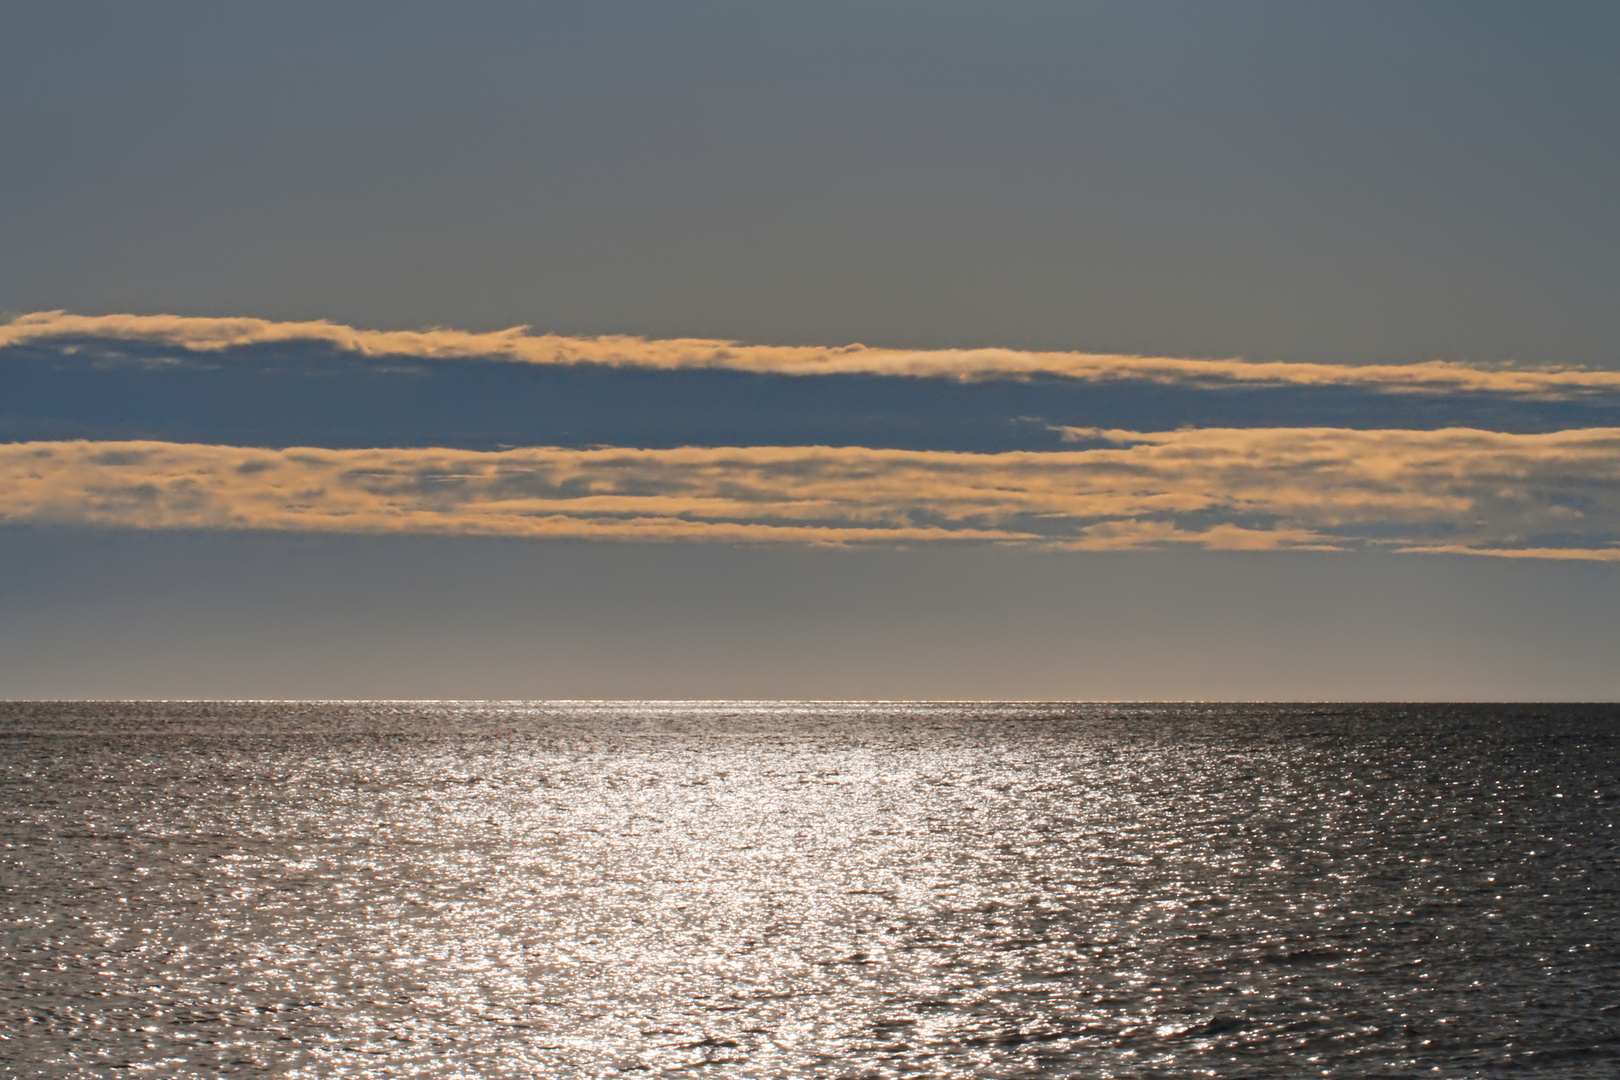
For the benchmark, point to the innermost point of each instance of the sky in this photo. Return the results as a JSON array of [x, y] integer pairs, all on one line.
[[1043, 351]]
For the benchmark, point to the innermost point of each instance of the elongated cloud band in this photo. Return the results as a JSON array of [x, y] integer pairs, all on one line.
[[1551, 495], [206, 335]]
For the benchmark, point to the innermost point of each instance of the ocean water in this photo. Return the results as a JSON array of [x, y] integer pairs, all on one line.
[[831, 890]]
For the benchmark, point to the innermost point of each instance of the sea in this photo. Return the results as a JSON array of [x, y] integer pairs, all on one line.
[[810, 889]]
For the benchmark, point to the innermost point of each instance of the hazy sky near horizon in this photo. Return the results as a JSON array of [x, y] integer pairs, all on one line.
[[913, 350]]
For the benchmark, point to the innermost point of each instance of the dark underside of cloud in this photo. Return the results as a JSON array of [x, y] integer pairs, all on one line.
[[312, 394]]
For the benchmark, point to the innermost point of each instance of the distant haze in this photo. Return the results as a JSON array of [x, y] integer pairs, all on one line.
[[244, 615]]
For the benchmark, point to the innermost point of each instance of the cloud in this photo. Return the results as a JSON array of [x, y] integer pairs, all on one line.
[[213, 335], [1551, 495]]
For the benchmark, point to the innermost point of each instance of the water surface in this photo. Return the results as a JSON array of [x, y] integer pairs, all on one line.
[[838, 890]]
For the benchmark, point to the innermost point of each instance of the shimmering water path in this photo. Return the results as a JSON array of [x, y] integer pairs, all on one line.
[[845, 890]]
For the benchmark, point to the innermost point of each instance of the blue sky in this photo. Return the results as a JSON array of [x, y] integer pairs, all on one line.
[[1035, 350]]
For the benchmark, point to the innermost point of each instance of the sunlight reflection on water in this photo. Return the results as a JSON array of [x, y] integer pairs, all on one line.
[[831, 890]]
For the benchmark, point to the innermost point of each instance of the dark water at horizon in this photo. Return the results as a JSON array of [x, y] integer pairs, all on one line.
[[837, 890]]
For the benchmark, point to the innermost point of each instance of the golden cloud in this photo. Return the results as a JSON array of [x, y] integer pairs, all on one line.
[[1554, 495], [517, 344]]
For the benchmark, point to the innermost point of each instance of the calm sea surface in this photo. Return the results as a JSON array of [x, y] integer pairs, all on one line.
[[838, 890]]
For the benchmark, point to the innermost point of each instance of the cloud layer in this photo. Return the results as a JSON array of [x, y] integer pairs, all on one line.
[[1548, 495], [213, 335]]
